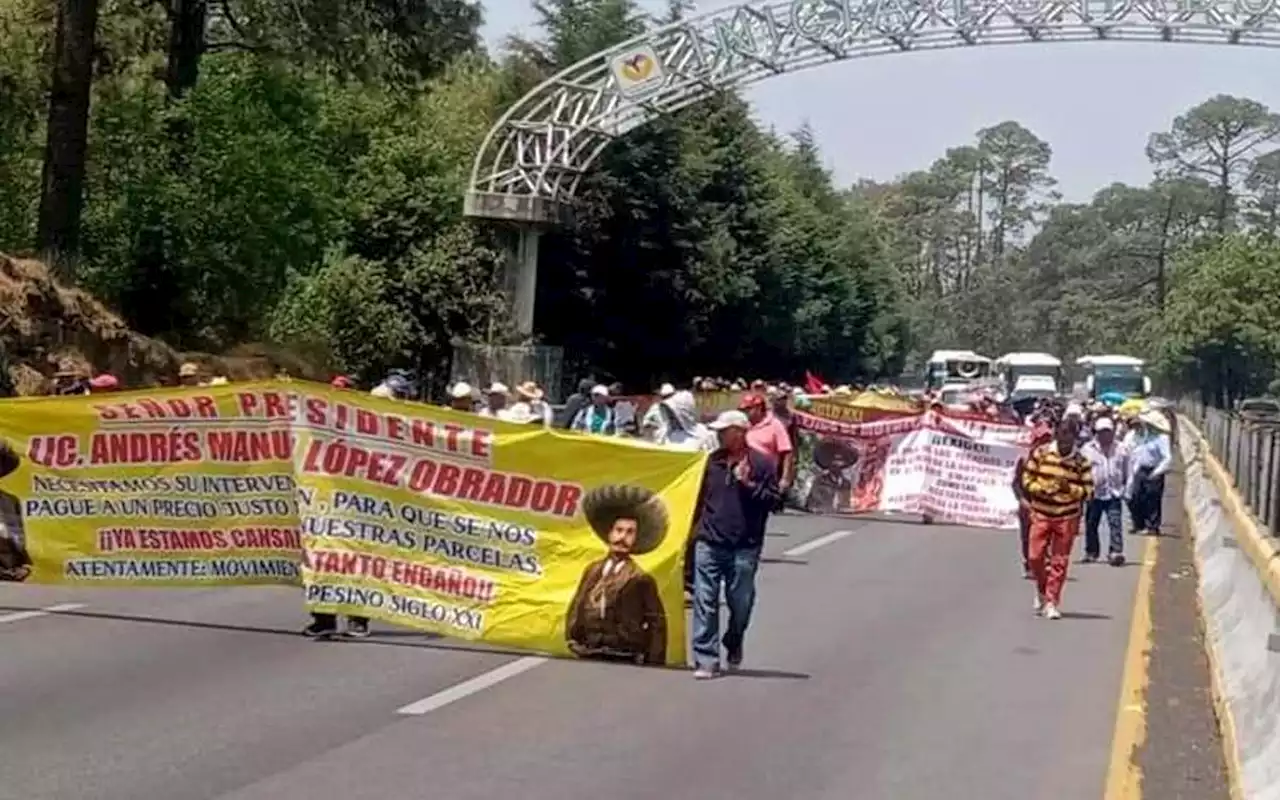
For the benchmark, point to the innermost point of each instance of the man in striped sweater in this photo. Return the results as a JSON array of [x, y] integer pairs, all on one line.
[[1056, 481]]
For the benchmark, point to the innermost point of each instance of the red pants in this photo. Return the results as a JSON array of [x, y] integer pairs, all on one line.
[[1051, 537]]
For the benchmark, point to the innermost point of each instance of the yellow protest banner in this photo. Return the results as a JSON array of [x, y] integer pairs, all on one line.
[[459, 524]]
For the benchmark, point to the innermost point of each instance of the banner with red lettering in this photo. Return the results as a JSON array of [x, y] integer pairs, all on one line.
[[464, 525], [956, 470]]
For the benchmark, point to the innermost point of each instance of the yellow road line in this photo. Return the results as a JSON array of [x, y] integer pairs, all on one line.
[[1124, 776]]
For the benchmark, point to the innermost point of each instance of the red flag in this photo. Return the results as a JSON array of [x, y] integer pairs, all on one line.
[[813, 384]]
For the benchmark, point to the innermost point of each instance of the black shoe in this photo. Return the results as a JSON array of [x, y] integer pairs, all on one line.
[[315, 631], [733, 661], [357, 629], [1116, 559]]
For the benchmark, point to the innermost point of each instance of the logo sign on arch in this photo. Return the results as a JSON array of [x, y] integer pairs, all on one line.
[[637, 70]]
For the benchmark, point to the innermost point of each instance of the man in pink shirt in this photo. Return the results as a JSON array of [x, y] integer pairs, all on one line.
[[769, 437]]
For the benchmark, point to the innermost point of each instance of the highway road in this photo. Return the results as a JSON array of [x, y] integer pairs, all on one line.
[[887, 661]]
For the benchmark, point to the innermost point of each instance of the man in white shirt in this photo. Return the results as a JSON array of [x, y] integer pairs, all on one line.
[[1110, 461], [653, 420], [497, 401]]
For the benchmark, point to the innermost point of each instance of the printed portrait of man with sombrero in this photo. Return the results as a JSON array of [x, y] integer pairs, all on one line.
[[15, 564], [832, 488], [617, 614]]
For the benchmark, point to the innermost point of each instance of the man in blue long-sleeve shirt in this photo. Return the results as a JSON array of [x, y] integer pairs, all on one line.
[[739, 489]]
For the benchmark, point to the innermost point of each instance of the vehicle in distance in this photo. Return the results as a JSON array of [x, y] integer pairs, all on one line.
[[956, 366], [1259, 409], [1029, 370]]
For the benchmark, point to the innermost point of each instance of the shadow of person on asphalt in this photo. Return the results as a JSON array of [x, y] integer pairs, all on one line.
[[796, 562], [422, 640], [777, 674], [1083, 615]]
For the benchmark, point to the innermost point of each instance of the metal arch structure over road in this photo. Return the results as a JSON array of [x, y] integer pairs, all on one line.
[[531, 162]]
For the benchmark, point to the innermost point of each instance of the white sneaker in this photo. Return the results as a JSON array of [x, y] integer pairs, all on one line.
[[1038, 605], [704, 674], [1051, 611]]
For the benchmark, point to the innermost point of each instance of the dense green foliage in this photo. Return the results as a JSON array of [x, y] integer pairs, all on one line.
[[297, 177], [307, 188]]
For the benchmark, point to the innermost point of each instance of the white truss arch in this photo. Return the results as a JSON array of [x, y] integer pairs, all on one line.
[[530, 163]]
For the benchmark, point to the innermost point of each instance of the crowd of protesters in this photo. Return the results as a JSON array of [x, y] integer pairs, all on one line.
[[1087, 464]]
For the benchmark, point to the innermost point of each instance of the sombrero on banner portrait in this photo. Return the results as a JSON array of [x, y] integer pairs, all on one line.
[[605, 505], [827, 451]]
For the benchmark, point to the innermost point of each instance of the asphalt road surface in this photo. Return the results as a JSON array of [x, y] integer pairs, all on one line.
[[886, 661]]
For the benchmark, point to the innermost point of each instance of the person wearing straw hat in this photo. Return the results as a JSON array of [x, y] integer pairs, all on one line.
[[616, 613], [1151, 460], [832, 488], [530, 404]]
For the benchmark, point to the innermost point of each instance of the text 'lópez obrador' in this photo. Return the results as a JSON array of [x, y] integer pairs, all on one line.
[[425, 517]]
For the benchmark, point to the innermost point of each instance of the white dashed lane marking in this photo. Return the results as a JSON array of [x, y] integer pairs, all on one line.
[[814, 544], [19, 616], [473, 686]]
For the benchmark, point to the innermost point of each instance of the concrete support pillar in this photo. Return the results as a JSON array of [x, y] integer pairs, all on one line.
[[520, 275]]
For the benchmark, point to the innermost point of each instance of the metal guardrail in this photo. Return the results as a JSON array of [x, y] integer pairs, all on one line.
[[1249, 450]]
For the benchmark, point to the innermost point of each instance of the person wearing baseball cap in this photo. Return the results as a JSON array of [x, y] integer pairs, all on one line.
[[1109, 459], [597, 417], [769, 437], [739, 489], [496, 401], [462, 397]]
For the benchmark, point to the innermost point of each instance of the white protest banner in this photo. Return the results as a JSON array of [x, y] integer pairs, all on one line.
[[951, 469]]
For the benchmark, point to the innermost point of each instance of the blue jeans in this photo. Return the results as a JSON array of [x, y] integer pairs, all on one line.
[[713, 566], [1094, 511]]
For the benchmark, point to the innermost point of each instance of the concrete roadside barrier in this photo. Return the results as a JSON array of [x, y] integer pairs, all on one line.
[[1239, 569]]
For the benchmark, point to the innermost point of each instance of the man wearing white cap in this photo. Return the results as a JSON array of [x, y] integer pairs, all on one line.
[[1109, 459], [597, 417], [496, 402], [460, 397], [652, 422], [739, 489]]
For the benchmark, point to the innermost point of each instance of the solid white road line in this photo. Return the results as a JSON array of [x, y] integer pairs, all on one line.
[[814, 544], [469, 687], [18, 616]]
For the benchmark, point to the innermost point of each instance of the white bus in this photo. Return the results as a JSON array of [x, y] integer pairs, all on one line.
[[1030, 373], [1114, 378], [956, 366]]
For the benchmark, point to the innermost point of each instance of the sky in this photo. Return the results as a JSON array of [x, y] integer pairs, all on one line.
[[1094, 102]]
